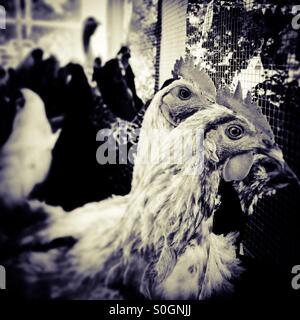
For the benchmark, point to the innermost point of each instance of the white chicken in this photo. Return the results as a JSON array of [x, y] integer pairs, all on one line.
[[26, 156]]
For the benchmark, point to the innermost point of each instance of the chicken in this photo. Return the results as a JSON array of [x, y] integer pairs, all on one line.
[[264, 178], [26, 156], [43, 77], [74, 167], [157, 242], [89, 28], [76, 108]]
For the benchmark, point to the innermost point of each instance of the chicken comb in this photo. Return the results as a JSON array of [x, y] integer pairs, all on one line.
[[250, 110], [187, 69]]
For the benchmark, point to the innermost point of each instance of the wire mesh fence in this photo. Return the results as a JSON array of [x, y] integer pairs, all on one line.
[[257, 43]]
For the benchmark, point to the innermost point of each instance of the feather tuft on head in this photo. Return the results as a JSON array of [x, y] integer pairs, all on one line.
[[187, 69], [238, 93], [246, 108], [248, 99]]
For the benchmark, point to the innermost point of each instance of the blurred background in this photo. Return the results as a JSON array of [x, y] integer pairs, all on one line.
[[56, 26], [255, 42]]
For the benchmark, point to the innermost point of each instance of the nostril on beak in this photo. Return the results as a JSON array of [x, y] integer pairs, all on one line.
[[267, 143]]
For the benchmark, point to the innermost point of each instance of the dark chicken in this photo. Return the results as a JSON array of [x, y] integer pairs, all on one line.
[[71, 104]]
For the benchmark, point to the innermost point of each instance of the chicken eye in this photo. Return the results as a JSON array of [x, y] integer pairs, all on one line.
[[184, 93], [234, 132]]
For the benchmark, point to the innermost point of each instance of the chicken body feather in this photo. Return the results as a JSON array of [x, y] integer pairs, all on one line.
[[26, 156], [157, 242], [148, 235]]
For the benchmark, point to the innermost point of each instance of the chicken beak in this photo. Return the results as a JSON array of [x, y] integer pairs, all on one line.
[[276, 154], [284, 174]]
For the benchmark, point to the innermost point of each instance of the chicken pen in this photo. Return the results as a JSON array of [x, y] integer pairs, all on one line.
[[95, 229], [256, 43]]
